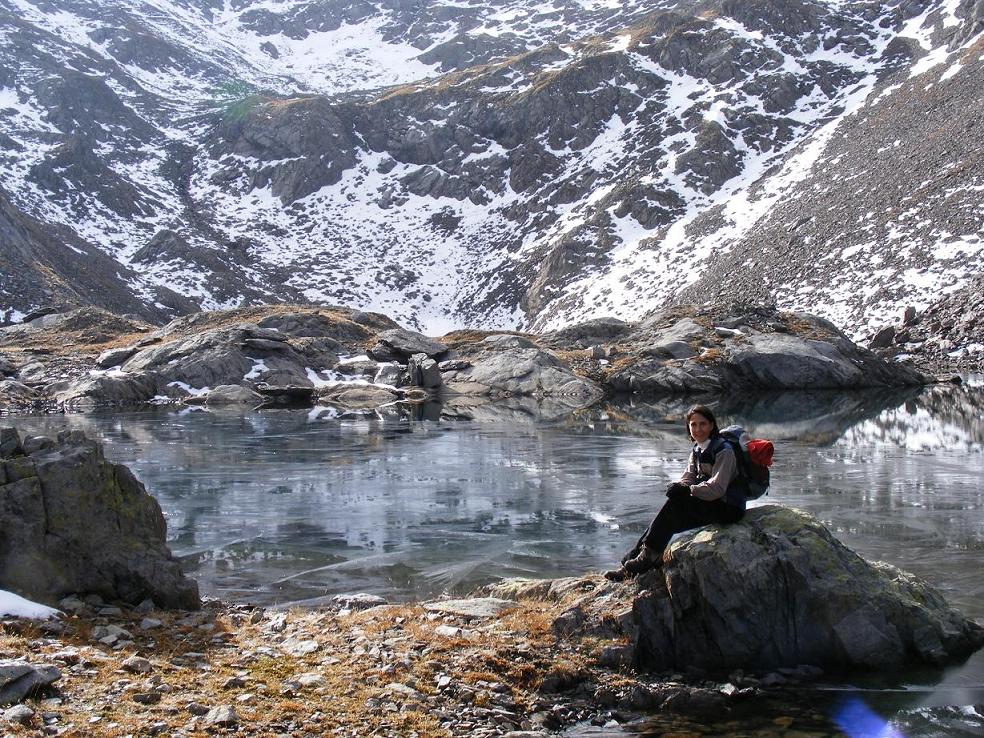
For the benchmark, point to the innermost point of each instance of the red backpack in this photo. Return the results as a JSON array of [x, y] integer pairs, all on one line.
[[754, 457]]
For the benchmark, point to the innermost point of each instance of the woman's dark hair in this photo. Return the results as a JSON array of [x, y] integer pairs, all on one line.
[[705, 412]]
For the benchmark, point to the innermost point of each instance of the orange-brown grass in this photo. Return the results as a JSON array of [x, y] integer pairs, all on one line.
[[710, 356], [466, 336], [517, 649]]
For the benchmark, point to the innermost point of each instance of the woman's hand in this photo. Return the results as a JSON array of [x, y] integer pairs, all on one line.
[[678, 489]]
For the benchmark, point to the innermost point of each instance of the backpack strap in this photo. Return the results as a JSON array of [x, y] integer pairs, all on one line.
[[741, 462]]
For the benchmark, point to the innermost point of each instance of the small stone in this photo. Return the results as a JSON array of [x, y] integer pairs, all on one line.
[[71, 604], [19, 679], [68, 656], [146, 606], [234, 683], [196, 708], [403, 689], [299, 647], [18, 714], [137, 665], [147, 698], [224, 715], [110, 634], [447, 631], [358, 601], [311, 679], [150, 624]]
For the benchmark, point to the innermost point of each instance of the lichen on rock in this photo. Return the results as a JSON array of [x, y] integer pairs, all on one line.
[[776, 590], [71, 521]]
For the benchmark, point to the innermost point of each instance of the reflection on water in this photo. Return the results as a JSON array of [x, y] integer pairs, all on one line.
[[295, 506], [283, 506]]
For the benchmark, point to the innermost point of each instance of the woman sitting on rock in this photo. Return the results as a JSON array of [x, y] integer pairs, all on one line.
[[710, 491]]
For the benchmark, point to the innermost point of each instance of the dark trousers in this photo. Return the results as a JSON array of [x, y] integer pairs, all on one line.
[[686, 513]]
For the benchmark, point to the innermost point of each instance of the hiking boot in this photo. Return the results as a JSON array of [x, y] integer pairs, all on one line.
[[647, 559], [617, 575]]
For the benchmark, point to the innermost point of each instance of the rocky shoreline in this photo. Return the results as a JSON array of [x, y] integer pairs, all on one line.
[[486, 668], [279, 355], [483, 666]]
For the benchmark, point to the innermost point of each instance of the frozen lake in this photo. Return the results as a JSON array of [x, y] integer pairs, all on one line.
[[292, 507]]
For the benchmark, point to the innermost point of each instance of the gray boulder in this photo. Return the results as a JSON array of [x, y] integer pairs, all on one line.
[[424, 372], [235, 355], [391, 374], [780, 361], [651, 376], [776, 590], [115, 357], [286, 395], [592, 331], [883, 338], [70, 521], [707, 351], [357, 395], [242, 355], [804, 598], [10, 442], [19, 680], [520, 371], [97, 391], [305, 324], [400, 344], [233, 394]]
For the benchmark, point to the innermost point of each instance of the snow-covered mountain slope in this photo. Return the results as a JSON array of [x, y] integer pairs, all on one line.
[[507, 164]]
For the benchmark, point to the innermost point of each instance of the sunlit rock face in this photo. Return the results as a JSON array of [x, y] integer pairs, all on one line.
[[775, 590], [518, 165]]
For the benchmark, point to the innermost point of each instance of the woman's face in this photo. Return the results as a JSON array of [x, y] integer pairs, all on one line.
[[700, 427]]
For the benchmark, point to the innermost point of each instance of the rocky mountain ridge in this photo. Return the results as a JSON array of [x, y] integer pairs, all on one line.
[[529, 166]]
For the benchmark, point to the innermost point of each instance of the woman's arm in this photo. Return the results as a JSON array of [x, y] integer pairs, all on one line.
[[722, 473], [690, 473]]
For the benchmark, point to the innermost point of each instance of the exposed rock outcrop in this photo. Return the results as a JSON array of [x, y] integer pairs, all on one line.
[[296, 354], [746, 347], [506, 365], [71, 521], [776, 590]]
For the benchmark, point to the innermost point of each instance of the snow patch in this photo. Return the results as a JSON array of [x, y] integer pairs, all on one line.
[[13, 605]]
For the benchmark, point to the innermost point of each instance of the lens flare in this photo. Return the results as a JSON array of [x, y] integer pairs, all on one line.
[[857, 720]]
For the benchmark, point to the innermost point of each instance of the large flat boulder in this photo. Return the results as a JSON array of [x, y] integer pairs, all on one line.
[[516, 370], [775, 590], [73, 522], [707, 350], [399, 344]]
